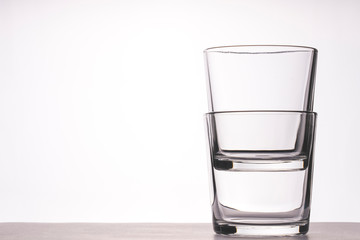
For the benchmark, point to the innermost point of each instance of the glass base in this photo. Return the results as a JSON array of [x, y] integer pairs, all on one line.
[[237, 229]]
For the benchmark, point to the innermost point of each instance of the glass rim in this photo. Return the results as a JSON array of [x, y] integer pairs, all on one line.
[[263, 112], [260, 49]]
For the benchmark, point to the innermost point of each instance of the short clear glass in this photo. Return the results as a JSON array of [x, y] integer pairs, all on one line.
[[261, 171]]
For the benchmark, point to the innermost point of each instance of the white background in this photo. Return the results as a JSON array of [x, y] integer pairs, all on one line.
[[102, 102]]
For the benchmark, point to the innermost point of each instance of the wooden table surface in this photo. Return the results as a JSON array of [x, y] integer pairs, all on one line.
[[150, 231]]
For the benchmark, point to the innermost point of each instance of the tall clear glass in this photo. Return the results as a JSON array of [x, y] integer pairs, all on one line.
[[260, 129]]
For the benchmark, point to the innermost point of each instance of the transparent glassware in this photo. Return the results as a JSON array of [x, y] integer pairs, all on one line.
[[261, 170], [260, 129], [260, 78]]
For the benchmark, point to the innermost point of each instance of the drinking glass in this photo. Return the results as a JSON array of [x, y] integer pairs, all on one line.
[[260, 129]]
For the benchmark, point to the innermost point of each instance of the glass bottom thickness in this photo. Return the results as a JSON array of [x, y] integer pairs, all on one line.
[[259, 230]]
